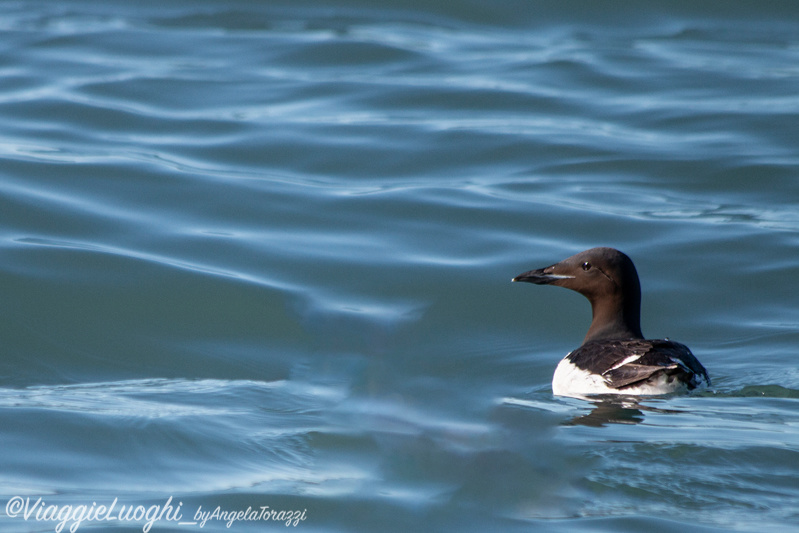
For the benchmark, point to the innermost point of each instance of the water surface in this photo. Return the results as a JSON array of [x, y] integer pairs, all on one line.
[[259, 254]]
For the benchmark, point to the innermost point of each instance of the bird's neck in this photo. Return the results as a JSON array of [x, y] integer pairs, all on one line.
[[615, 319]]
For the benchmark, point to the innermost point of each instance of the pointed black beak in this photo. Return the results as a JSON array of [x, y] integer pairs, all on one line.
[[540, 277]]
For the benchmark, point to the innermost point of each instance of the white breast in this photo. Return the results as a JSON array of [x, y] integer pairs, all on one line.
[[570, 380]]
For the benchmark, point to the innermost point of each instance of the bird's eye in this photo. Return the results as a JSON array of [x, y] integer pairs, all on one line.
[[586, 266]]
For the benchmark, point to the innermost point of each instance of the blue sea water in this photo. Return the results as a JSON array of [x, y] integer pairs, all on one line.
[[255, 262]]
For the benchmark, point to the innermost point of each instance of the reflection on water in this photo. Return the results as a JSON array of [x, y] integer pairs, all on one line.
[[610, 411]]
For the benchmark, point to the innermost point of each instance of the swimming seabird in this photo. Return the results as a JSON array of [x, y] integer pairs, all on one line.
[[614, 357]]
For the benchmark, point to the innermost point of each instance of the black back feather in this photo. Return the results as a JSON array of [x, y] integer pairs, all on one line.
[[655, 356]]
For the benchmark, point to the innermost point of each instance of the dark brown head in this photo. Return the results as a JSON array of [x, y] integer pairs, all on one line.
[[609, 280]]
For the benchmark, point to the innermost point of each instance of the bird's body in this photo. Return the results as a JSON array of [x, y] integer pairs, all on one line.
[[615, 358], [634, 367]]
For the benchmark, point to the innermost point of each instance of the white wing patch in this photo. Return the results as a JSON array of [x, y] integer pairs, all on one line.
[[626, 361]]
